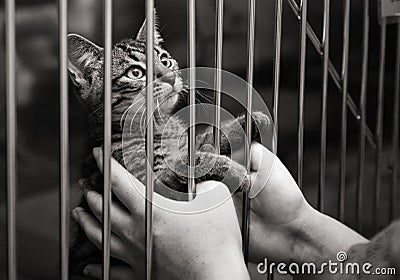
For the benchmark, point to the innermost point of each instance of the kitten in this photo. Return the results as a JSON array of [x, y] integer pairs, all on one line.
[[128, 81]]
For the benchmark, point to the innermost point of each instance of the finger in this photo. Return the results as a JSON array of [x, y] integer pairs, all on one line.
[[259, 180], [93, 231], [238, 156], [127, 188], [261, 158], [93, 270], [210, 194], [120, 219], [120, 272]]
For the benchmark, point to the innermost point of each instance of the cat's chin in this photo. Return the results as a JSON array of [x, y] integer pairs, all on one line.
[[171, 101], [178, 85]]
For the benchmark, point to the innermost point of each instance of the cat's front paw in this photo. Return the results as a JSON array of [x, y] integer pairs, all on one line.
[[237, 179], [261, 123], [245, 184]]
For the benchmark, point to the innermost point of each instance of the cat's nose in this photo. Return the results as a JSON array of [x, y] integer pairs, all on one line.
[[166, 78]]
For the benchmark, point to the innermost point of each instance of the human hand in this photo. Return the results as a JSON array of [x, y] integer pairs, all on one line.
[[283, 225], [117, 272], [278, 209], [194, 241]]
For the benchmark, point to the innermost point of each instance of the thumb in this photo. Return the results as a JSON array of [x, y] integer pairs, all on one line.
[[261, 158], [210, 194]]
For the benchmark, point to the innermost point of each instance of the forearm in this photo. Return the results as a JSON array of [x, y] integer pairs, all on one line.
[[320, 240], [322, 237]]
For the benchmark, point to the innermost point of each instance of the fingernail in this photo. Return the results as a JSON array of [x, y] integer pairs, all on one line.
[[75, 214], [82, 183], [86, 271], [96, 152], [88, 193]]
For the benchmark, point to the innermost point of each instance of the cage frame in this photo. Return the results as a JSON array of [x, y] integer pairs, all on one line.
[[340, 79]]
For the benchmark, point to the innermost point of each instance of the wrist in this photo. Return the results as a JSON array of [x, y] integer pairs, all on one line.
[[213, 263], [306, 246], [321, 238]]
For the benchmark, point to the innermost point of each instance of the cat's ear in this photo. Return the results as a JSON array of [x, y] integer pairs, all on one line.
[[83, 55], [141, 36]]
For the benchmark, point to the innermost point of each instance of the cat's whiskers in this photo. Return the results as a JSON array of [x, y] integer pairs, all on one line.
[[127, 110], [97, 109], [202, 81], [160, 114], [199, 101], [140, 123], [134, 116], [204, 96]]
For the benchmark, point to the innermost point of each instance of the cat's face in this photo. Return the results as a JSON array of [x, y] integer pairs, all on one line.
[[128, 73]]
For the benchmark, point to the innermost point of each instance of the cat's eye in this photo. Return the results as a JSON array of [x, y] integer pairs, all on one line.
[[167, 62], [135, 73]]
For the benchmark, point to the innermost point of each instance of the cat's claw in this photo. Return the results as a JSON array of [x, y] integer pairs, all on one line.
[[261, 123], [245, 184]]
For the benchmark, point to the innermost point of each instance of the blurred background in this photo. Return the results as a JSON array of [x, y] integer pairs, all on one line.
[[38, 103]]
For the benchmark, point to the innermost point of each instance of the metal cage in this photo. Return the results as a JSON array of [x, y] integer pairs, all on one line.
[[372, 137]]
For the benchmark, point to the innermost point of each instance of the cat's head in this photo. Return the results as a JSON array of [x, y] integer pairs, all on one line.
[[85, 66]]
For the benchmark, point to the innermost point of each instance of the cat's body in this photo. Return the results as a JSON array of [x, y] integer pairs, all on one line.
[[170, 139]]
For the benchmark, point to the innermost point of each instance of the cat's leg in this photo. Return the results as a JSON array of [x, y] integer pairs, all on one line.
[[209, 166], [233, 132], [236, 137]]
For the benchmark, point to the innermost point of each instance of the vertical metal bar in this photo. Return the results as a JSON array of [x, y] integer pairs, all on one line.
[[64, 139], [343, 141], [277, 66], [218, 79], [107, 137], [11, 105], [250, 78], [192, 97], [363, 104], [396, 105], [302, 77], [149, 135], [379, 121], [325, 73]]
